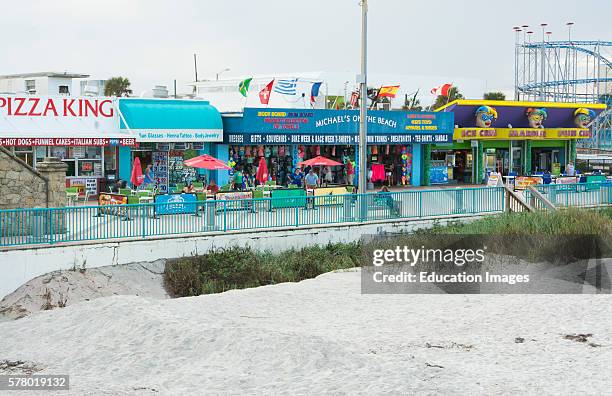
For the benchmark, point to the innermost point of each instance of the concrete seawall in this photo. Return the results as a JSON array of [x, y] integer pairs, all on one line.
[[19, 265]]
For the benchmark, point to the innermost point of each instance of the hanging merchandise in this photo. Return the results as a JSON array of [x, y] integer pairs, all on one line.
[[301, 152], [260, 151], [267, 152], [387, 150], [241, 151], [374, 150], [275, 151], [378, 173], [281, 151], [247, 151], [318, 150], [406, 165], [333, 151]]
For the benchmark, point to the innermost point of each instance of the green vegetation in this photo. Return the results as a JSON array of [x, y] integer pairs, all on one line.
[[240, 267], [564, 222], [117, 86], [453, 94], [494, 96]]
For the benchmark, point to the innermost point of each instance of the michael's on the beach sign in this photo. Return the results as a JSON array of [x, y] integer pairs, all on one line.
[[53, 117]]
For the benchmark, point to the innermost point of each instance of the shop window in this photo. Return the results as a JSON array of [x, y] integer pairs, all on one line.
[[30, 86], [63, 90]]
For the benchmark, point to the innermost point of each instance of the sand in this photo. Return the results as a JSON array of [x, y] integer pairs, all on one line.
[[66, 288], [321, 336]]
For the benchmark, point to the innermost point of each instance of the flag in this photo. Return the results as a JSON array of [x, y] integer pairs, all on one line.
[[286, 86], [264, 95], [243, 87], [388, 92], [314, 91], [441, 90], [354, 99]]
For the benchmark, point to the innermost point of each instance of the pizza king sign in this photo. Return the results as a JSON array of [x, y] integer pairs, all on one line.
[[59, 117]]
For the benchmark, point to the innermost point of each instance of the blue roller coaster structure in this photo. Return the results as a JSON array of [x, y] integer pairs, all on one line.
[[567, 71]]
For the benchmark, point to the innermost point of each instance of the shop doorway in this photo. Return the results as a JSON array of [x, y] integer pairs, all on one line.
[[546, 160], [459, 164], [497, 160]]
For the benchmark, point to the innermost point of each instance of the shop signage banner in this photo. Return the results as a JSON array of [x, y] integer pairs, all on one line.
[[59, 117], [522, 182], [176, 204], [19, 142], [238, 200], [494, 180], [321, 126], [521, 133], [85, 184], [110, 204], [178, 135]]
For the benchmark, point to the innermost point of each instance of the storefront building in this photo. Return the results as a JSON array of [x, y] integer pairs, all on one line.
[[83, 132], [510, 138], [167, 132], [286, 137]]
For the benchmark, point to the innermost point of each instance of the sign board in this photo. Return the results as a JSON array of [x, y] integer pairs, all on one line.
[[322, 126], [32, 117], [288, 198], [566, 180], [178, 135], [494, 180], [235, 198], [520, 133], [176, 204], [329, 195], [159, 169], [438, 175], [109, 204], [73, 142], [522, 182], [84, 184]]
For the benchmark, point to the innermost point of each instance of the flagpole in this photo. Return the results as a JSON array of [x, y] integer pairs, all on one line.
[[363, 111]]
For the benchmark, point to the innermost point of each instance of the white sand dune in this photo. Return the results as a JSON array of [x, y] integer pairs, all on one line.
[[322, 336]]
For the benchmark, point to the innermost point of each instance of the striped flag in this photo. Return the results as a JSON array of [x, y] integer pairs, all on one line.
[[388, 91], [286, 86], [314, 91], [441, 90]]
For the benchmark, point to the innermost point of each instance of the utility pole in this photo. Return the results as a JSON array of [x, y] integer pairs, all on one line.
[[363, 97], [195, 66]]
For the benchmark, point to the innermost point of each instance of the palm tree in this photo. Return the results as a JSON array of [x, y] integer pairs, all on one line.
[[494, 96], [453, 94], [117, 86]]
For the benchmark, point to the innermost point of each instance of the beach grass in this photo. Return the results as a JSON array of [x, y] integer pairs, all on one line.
[[242, 267]]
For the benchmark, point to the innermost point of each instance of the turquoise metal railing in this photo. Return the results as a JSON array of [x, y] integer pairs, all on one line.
[[575, 194], [95, 223]]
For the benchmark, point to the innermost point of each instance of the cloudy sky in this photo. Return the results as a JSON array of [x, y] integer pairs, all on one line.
[[153, 41]]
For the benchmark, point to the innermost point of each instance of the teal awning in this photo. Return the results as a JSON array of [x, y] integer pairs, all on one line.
[[168, 120]]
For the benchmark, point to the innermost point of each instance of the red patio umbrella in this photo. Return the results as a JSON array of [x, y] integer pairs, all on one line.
[[262, 171], [320, 161], [137, 177], [206, 162]]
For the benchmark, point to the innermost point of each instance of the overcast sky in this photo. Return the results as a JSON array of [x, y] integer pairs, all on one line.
[[152, 41]]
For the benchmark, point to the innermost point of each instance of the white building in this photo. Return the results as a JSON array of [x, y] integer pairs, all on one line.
[[44, 83], [225, 96], [92, 87]]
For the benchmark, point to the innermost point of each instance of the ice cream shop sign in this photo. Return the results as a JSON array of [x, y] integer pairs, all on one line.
[[36, 120]]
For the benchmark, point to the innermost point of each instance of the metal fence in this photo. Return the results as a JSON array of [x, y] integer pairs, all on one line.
[[575, 194], [87, 223]]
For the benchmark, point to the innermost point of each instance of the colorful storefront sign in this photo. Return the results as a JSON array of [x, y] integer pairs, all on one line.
[[74, 142], [337, 127], [520, 133], [41, 120], [522, 182], [167, 204]]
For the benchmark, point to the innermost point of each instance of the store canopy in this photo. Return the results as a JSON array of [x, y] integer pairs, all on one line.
[[169, 120], [560, 115]]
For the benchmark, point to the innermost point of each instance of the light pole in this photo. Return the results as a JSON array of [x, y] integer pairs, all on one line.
[[363, 96], [222, 71]]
